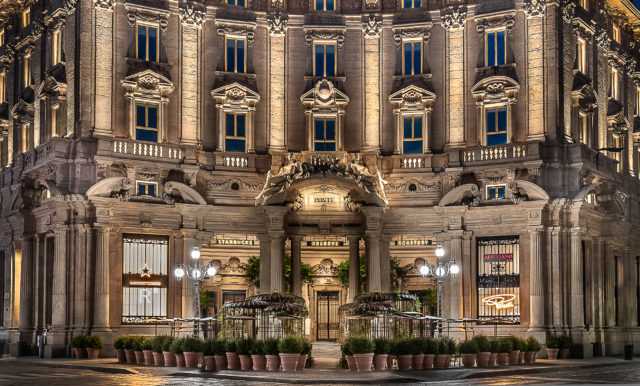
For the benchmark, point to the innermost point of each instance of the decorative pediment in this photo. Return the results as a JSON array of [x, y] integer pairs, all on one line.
[[413, 31], [242, 28], [496, 89], [503, 20], [324, 95], [412, 97], [325, 268], [324, 33], [235, 94], [139, 13], [147, 84]]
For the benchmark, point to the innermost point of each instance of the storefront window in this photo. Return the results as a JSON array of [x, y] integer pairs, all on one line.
[[499, 278]]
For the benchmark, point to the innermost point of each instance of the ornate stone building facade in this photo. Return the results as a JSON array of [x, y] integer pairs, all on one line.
[[322, 147]]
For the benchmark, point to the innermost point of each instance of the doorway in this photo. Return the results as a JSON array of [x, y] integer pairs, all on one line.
[[327, 321]]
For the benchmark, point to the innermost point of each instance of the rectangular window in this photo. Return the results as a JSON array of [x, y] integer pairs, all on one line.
[[496, 192], [146, 122], [56, 47], [411, 3], [236, 3], [26, 71], [235, 133], [499, 278], [235, 55], [496, 126], [144, 278], [614, 83], [412, 141], [25, 18], [581, 55], [496, 52], [617, 33], [412, 58], [145, 188], [324, 5], [147, 43], [325, 60], [324, 134]]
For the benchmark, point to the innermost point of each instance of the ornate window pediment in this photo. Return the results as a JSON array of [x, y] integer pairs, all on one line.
[[411, 107], [496, 89], [495, 96], [235, 94], [412, 97], [325, 107], [147, 84], [236, 105], [324, 96]]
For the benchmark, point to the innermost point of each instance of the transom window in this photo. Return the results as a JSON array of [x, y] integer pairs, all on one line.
[[411, 3], [146, 122], [496, 192], [412, 58], [496, 126], [325, 59], [145, 188], [581, 55], [324, 5], [496, 48], [235, 55], [236, 133], [147, 43], [412, 142], [324, 134], [614, 83], [236, 3]]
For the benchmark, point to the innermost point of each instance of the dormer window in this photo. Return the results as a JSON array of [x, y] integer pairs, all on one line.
[[581, 55], [412, 57], [146, 122], [324, 64], [407, 4], [147, 43], [495, 48], [617, 33], [236, 3], [324, 5], [145, 188], [496, 192], [324, 138], [25, 17], [235, 58]]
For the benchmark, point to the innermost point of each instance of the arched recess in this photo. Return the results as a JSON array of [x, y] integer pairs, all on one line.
[[188, 194], [459, 194]]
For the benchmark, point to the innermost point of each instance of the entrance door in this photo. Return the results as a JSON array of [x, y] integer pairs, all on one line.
[[327, 322]]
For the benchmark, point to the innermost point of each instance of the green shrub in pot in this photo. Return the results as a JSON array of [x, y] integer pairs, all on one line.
[[176, 346], [146, 344], [271, 346], [243, 346], [533, 345], [157, 342], [505, 346], [381, 346], [230, 346], [483, 343], [290, 345], [166, 343], [361, 345], [468, 347], [191, 344]]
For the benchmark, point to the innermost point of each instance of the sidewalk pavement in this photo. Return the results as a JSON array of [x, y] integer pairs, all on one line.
[[324, 376]]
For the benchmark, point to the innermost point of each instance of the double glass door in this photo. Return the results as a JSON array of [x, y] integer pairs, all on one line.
[[327, 321]]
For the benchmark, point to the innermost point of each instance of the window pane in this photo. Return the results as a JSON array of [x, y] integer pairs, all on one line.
[[407, 3], [146, 135], [412, 147], [236, 145], [140, 118], [502, 120], [501, 193], [152, 117], [240, 49], [329, 5], [491, 49], [153, 41], [501, 48], [497, 139], [231, 58], [142, 43], [319, 5], [407, 58], [417, 3], [491, 121], [331, 59], [240, 125], [319, 129], [151, 190], [408, 123], [141, 190], [240, 3], [417, 59], [229, 125], [417, 127], [330, 132], [319, 60]]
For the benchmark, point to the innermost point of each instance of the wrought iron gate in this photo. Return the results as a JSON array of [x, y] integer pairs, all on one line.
[[327, 321]]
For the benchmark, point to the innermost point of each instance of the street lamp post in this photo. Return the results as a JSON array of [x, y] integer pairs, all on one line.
[[197, 273], [440, 271]]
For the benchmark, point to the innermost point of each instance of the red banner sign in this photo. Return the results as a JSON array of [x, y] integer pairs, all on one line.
[[490, 257]]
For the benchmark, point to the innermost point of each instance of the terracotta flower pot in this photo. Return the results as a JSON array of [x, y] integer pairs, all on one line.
[[302, 362], [469, 360], [131, 356], [418, 362], [75, 353], [259, 362], [209, 363], [158, 359], [380, 362], [289, 362], [148, 357], [122, 358], [427, 363], [514, 357], [351, 362], [273, 362], [233, 362], [139, 357], [191, 359], [493, 360], [221, 362], [245, 362], [503, 359], [564, 353], [168, 359], [552, 353], [442, 361], [483, 359], [405, 362], [364, 362], [530, 357], [93, 353], [180, 360]]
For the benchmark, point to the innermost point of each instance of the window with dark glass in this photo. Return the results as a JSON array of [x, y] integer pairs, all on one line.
[[412, 57], [496, 126], [324, 134], [496, 48], [147, 188], [496, 192], [147, 43], [146, 122], [412, 141], [235, 132], [324, 5], [235, 55], [411, 3], [236, 3], [144, 278], [325, 59], [498, 278]]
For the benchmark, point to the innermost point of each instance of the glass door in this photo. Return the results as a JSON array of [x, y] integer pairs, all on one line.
[[327, 322]]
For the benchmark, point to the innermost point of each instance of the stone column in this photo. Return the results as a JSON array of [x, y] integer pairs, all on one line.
[[57, 336], [277, 250], [535, 69], [455, 281], [265, 264], [373, 261], [103, 62], [610, 307], [277, 82], [468, 274], [385, 263], [576, 316], [453, 20], [25, 322], [296, 263], [101, 309], [554, 272], [372, 59], [190, 63], [188, 289], [536, 280], [354, 267]]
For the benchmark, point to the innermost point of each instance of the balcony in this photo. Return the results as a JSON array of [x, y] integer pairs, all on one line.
[[140, 150], [499, 154], [235, 161]]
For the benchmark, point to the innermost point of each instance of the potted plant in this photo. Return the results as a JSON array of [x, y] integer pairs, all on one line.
[[147, 351], [504, 350], [484, 350], [514, 355], [191, 349], [418, 354], [233, 362], [243, 348], [493, 361], [168, 358], [565, 346], [362, 349], [348, 355], [446, 347], [290, 349], [129, 349], [469, 350], [219, 350], [404, 351], [208, 352], [381, 351], [257, 356], [533, 346], [430, 348], [137, 347], [304, 356], [94, 345], [176, 350], [553, 347], [118, 345], [156, 350], [271, 354], [79, 346]]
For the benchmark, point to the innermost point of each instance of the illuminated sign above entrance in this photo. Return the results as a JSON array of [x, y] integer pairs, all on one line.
[[323, 198], [500, 301]]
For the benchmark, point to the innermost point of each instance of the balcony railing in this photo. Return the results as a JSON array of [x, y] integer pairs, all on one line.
[[235, 161], [147, 150], [510, 152]]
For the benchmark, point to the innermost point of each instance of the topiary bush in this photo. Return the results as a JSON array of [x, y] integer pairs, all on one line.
[[290, 345], [468, 347], [505, 345], [484, 345], [553, 342], [243, 346], [166, 343], [79, 341], [119, 343], [533, 345], [176, 346], [219, 347], [516, 343], [271, 346], [257, 348], [360, 345], [157, 342], [230, 346], [430, 346], [94, 342], [381, 346], [146, 344], [191, 344], [403, 347]]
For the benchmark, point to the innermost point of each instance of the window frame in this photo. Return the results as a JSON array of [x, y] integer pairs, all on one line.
[[236, 137], [235, 38], [147, 184], [147, 26], [324, 5], [26, 71], [147, 105], [413, 4], [616, 33], [495, 197], [56, 46], [315, 141], [495, 32], [325, 43], [422, 138], [413, 42], [507, 129], [234, 3]]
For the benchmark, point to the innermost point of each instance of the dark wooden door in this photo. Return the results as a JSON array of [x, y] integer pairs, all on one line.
[[327, 321]]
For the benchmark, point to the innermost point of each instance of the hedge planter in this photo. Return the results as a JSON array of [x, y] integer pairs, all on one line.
[[418, 362], [442, 361], [221, 362], [122, 358], [405, 362], [514, 357], [302, 362], [552, 353], [289, 362], [530, 357], [180, 360], [131, 356], [351, 362], [380, 362], [93, 353], [483, 359], [209, 363], [233, 362], [139, 357], [168, 359], [428, 361], [191, 359], [469, 360], [245, 362], [148, 357], [503, 359], [273, 362], [364, 362], [493, 360], [158, 359], [259, 362]]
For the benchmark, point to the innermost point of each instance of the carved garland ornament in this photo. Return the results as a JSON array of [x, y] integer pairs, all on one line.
[[135, 15], [238, 30], [312, 35], [410, 33]]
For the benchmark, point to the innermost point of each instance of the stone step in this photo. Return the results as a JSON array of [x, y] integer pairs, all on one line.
[[325, 354]]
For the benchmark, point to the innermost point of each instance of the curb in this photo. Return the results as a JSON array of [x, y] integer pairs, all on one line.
[[533, 370], [101, 369], [302, 380]]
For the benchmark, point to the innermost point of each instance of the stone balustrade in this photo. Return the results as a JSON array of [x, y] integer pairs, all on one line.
[[509, 152], [147, 150]]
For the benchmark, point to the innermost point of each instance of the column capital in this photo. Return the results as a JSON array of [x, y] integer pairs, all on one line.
[[277, 24]]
